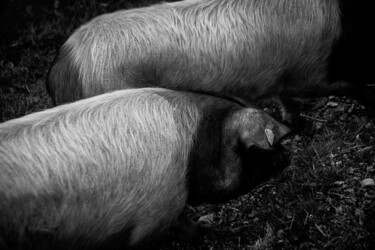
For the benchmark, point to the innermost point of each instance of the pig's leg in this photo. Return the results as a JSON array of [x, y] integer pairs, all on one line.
[[362, 93]]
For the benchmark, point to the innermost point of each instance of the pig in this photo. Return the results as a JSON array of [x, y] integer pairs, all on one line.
[[247, 49], [116, 170]]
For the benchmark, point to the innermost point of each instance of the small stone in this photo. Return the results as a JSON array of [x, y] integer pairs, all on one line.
[[297, 138], [343, 117], [332, 104], [10, 65], [341, 109], [318, 125], [349, 190], [252, 214], [286, 142], [280, 233], [206, 219], [339, 209], [338, 183], [350, 110], [190, 208], [367, 182]]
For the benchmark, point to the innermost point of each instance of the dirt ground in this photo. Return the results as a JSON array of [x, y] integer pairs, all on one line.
[[324, 200]]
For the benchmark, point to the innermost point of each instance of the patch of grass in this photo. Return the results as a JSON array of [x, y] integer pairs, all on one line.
[[323, 185]]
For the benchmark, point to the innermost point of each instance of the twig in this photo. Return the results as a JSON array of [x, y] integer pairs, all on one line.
[[359, 130], [320, 230], [316, 152], [365, 149], [313, 118], [291, 223]]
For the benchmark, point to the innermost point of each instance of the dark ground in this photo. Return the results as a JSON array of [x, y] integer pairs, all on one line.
[[318, 202]]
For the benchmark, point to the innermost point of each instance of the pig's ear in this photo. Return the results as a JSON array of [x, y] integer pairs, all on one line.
[[264, 137]]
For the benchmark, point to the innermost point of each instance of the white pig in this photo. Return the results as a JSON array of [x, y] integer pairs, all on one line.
[[117, 169], [249, 49]]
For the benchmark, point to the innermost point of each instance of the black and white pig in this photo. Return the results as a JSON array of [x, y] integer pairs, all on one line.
[[248, 49], [117, 169]]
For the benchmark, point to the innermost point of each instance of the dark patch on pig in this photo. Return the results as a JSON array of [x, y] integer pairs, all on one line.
[[258, 165], [204, 157], [205, 154]]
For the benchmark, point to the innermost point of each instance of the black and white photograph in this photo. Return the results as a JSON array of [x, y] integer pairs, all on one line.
[[191, 124]]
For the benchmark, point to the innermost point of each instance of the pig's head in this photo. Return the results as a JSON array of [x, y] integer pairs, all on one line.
[[243, 153]]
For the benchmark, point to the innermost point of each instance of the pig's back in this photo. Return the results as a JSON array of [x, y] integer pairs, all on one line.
[[91, 168]]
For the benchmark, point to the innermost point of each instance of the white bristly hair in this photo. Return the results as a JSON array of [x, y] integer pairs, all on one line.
[[90, 163], [243, 48]]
